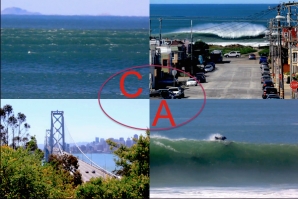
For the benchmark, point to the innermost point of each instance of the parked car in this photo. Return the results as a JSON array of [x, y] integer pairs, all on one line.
[[233, 54], [208, 68], [191, 82], [167, 82], [210, 63], [267, 84], [178, 92], [166, 94], [264, 62], [265, 78], [251, 56], [155, 93], [273, 96], [263, 59], [265, 71], [268, 91], [216, 56], [201, 77], [264, 65]]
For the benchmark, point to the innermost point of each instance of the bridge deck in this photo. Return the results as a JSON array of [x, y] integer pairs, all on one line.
[[87, 169]]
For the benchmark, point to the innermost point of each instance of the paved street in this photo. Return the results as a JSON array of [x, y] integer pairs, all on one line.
[[235, 78], [239, 79], [84, 167]]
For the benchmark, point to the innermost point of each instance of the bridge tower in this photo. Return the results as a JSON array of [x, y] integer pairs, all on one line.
[[57, 136], [46, 144]]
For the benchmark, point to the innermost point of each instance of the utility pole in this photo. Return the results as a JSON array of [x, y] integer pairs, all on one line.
[[191, 46], [271, 48], [160, 21], [281, 81], [149, 29]]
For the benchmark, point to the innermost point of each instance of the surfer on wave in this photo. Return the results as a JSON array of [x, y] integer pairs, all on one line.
[[220, 137]]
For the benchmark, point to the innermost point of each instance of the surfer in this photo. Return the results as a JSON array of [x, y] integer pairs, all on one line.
[[220, 137]]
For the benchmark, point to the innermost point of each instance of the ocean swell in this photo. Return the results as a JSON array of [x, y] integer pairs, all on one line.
[[184, 161]]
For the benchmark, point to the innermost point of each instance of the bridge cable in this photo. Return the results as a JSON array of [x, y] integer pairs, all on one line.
[[105, 171]]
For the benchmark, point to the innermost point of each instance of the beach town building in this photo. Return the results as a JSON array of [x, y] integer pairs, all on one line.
[[290, 38], [165, 52], [290, 44]]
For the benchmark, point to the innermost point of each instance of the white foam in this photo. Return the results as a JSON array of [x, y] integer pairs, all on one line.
[[230, 30], [224, 192], [252, 44], [165, 146], [212, 136]]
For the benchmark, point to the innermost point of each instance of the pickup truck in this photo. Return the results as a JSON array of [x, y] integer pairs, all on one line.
[[233, 54]]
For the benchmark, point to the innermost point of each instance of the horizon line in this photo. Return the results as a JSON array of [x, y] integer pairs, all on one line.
[[99, 15], [210, 3]]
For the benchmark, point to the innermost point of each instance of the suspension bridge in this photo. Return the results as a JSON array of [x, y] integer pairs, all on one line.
[[55, 144]]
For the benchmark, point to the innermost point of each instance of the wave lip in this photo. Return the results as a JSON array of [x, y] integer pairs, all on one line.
[[227, 30]]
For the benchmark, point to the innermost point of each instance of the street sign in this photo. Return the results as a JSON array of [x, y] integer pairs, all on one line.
[[294, 85], [174, 72]]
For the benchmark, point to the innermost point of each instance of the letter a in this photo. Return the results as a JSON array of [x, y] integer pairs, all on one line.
[[158, 115]]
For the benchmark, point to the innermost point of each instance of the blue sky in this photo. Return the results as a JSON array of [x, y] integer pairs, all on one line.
[[80, 7], [84, 119], [214, 2], [106, 7]]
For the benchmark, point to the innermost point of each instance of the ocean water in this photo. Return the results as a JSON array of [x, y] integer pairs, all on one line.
[[104, 160], [220, 24], [258, 159], [71, 56]]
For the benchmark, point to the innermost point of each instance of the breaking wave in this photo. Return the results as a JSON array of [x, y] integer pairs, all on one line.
[[232, 30], [184, 161]]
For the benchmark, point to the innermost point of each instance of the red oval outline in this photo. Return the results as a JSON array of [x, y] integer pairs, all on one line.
[[151, 129]]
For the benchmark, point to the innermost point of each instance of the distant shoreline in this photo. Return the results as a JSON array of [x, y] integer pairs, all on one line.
[[72, 15], [19, 11], [94, 153]]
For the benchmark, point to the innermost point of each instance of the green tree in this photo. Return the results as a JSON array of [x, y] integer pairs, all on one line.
[[15, 126], [69, 164], [133, 166], [23, 176]]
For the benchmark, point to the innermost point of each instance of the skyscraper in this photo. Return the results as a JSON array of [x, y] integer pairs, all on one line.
[[136, 137], [121, 141], [128, 142]]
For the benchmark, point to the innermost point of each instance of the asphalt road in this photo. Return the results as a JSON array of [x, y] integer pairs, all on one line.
[[84, 167], [236, 78]]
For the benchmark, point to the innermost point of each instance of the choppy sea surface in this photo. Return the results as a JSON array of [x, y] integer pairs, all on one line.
[[258, 159], [71, 57]]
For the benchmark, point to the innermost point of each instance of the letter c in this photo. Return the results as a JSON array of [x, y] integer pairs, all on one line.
[[134, 95]]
